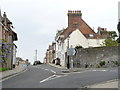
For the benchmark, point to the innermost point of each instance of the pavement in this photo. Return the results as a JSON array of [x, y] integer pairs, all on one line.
[[8, 73], [106, 84]]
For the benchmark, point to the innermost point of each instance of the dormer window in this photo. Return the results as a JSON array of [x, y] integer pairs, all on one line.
[[91, 35]]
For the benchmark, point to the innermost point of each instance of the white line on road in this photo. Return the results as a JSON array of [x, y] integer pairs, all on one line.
[[53, 71], [99, 70], [52, 77], [55, 77], [49, 70], [46, 69], [47, 79]]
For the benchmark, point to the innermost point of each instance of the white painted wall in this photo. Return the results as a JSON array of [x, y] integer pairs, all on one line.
[[95, 42], [77, 38], [14, 54]]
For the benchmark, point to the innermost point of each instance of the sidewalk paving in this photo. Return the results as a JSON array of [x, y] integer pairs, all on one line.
[[107, 84], [14, 71]]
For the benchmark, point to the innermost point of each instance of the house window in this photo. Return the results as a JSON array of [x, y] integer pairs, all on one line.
[[91, 35]]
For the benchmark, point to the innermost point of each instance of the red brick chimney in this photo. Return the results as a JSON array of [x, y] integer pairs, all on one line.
[[74, 18]]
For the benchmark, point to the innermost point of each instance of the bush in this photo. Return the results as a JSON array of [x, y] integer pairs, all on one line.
[[77, 47], [102, 63], [110, 42], [3, 69], [116, 63]]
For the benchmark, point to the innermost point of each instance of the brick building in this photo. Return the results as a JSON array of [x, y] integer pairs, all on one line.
[[50, 54], [8, 37]]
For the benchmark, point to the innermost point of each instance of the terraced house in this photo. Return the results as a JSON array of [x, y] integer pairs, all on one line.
[[8, 48]]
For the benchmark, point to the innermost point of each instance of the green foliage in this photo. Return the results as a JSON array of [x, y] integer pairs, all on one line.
[[102, 63], [113, 34], [3, 69], [4, 50], [110, 42], [116, 63], [77, 47]]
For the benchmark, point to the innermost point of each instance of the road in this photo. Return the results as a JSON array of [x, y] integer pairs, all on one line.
[[44, 76]]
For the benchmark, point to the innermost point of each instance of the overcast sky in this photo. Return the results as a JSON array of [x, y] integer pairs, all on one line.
[[36, 21]]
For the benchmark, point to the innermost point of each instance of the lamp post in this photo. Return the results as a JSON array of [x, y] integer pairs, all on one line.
[[68, 61], [36, 55]]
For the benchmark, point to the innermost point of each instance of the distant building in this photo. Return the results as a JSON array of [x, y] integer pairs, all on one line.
[[50, 54]]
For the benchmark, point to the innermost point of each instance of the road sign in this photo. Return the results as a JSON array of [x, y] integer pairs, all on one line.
[[71, 52]]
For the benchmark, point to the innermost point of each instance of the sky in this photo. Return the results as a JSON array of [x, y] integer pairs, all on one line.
[[37, 21]]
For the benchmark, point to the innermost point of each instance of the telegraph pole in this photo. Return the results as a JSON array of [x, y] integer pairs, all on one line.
[[35, 55]]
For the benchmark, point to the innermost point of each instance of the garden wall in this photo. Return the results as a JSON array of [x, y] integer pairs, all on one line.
[[92, 57]]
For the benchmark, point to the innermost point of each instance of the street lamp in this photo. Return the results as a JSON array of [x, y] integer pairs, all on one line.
[[68, 61], [36, 55]]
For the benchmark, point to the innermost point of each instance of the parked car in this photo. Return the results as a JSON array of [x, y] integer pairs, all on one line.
[[37, 63]]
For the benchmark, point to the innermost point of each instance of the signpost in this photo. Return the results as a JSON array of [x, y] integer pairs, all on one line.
[[71, 52]]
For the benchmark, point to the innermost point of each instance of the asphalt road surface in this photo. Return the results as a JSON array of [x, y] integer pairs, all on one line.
[[44, 76]]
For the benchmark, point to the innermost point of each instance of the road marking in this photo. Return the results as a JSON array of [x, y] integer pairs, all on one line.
[[55, 77], [90, 71], [47, 79], [53, 71], [99, 70], [47, 70], [52, 77], [13, 75], [42, 68]]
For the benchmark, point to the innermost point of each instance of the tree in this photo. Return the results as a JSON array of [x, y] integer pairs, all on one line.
[[118, 27], [110, 42], [113, 34], [77, 47]]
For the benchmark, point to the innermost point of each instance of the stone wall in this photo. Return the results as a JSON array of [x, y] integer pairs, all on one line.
[[92, 57]]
